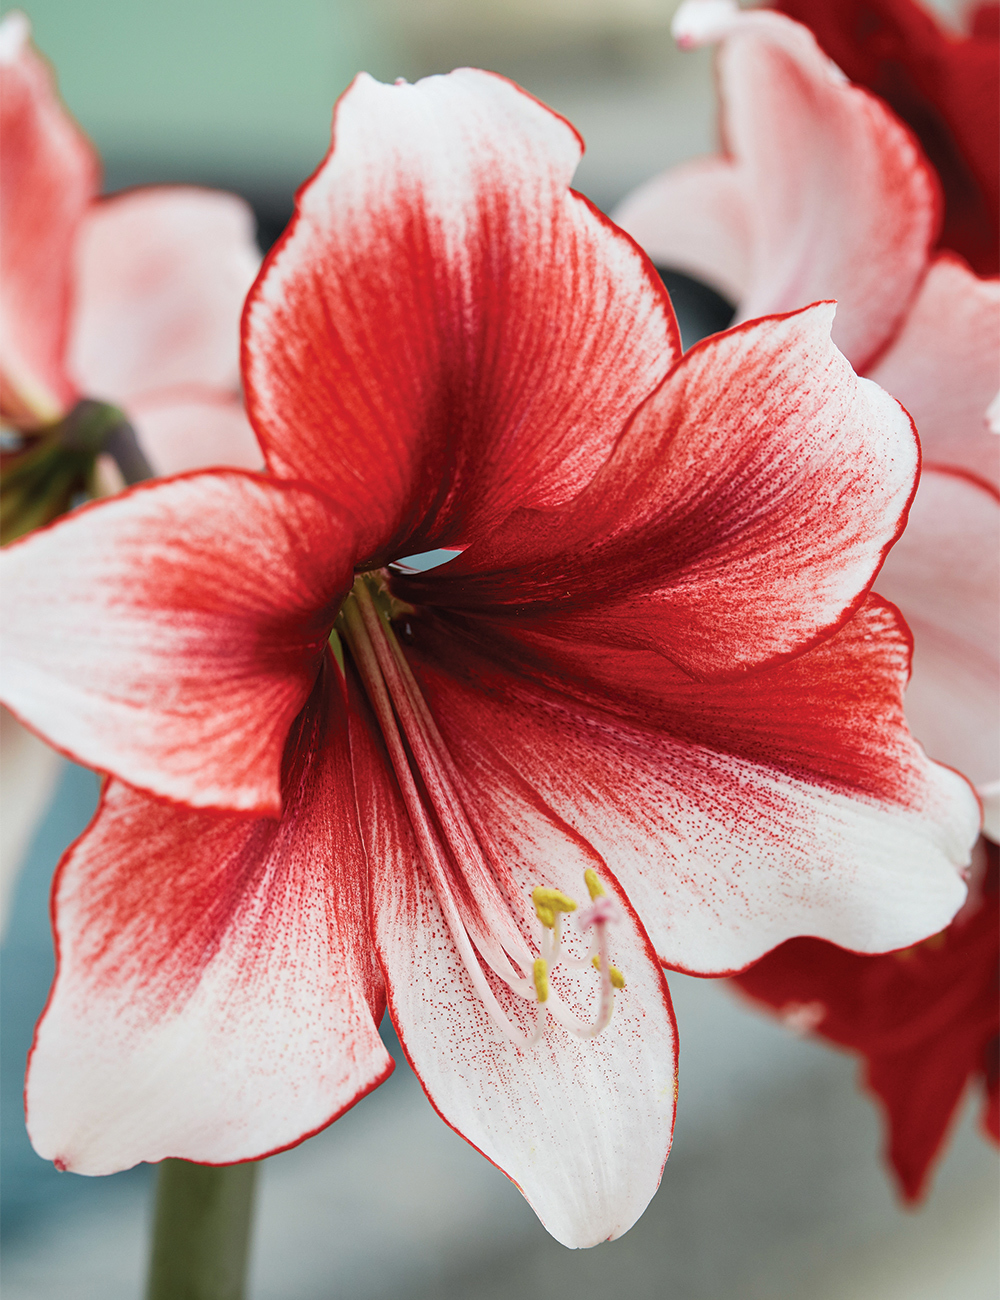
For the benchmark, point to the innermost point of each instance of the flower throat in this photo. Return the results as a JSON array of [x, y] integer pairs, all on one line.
[[478, 915]]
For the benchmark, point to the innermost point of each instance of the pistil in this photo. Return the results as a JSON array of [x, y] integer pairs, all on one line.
[[474, 907]]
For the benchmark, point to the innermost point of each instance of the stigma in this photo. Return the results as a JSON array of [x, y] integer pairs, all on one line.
[[503, 948]]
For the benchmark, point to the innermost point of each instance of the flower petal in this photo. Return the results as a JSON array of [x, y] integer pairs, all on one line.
[[944, 366], [185, 429], [217, 997], [944, 574], [741, 517], [50, 175], [839, 199], [171, 634], [582, 1127], [695, 218], [447, 331], [736, 814], [162, 275]]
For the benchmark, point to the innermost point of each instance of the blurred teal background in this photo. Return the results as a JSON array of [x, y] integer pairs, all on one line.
[[221, 89], [239, 93]]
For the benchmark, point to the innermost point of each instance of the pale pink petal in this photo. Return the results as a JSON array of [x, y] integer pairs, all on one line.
[[217, 996], [171, 634], [447, 331], [161, 278], [944, 366], [944, 574], [184, 429], [582, 1127], [734, 814], [695, 218], [839, 201], [29, 770], [50, 176], [741, 517]]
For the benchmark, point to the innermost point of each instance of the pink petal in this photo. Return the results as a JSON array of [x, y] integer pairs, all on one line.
[[171, 634], [944, 574], [735, 814], [217, 997], [184, 429], [742, 516], [447, 331], [162, 275], [839, 201], [582, 1127], [944, 366], [50, 175], [695, 218]]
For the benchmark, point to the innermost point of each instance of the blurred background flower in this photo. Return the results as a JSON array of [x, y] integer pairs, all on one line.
[[774, 1188]]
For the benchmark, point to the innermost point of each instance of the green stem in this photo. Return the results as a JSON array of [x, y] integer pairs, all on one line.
[[201, 1231]]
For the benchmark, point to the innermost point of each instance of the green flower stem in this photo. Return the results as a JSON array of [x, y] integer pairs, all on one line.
[[201, 1231]]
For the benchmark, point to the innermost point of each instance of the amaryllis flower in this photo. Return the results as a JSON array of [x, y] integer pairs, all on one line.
[[649, 676], [945, 84], [823, 194], [925, 1021], [133, 299]]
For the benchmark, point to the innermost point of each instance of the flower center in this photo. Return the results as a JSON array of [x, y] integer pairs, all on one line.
[[455, 847]]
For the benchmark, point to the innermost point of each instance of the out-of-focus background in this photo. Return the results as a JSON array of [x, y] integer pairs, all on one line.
[[774, 1190]]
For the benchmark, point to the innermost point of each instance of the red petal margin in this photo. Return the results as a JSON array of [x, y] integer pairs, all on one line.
[[170, 635], [217, 997], [447, 331], [50, 176], [741, 518], [924, 1021], [581, 1127], [734, 814]]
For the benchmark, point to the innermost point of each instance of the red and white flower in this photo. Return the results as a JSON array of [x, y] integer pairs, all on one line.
[[651, 668], [823, 193]]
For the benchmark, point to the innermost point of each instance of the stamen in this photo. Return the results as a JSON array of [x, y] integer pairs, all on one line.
[[614, 974], [454, 846], [541, 977], [548, 903]]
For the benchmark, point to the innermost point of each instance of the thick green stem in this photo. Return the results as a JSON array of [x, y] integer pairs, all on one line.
[[201, 1232]]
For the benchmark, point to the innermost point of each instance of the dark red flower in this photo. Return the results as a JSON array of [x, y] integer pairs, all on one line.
[[925, 1020]]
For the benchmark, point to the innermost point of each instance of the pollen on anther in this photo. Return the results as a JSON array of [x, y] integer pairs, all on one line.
[[541, 979], [614, 974], [549, 902], [594, 887]]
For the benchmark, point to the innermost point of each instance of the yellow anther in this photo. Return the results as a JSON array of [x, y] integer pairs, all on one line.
[[614, 974], [594, 886], [541, 977], [548, 902]]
